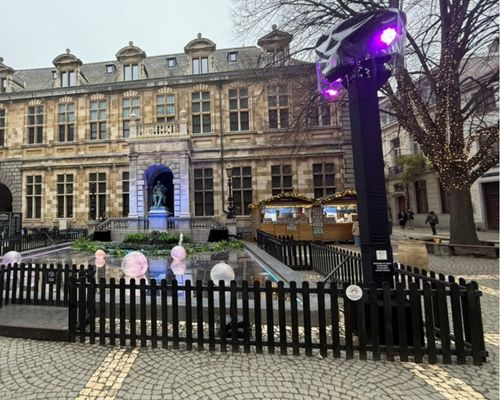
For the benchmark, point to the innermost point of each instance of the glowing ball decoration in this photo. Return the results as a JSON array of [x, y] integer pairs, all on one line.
[[12, 257], [178, 253], [222, 271], [100, 262], [178, 267], [100, 254], [388, 35], [135, 264]]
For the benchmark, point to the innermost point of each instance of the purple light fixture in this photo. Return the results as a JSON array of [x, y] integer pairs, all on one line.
[[388, 35]]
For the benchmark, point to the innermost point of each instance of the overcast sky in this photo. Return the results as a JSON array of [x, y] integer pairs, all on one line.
[[34, 32]]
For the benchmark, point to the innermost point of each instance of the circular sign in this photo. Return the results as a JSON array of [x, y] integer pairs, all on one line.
[[354, 292]]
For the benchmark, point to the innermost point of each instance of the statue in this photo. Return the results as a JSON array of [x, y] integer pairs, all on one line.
[[158, 195]]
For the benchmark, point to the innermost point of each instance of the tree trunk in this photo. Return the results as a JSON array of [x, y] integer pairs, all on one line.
[[462, 227]]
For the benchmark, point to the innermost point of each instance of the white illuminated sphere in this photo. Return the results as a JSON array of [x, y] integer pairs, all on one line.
[[100, 262], [135, 264], [178, 253], [178, 267], [222, 271], [12, 257], [100, 254]]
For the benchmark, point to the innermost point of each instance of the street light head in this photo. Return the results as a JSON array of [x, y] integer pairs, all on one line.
[[372, 36], [229, 171], [388, 35]]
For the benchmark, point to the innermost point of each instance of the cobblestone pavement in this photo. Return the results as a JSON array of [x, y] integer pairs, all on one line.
[[50, 370]]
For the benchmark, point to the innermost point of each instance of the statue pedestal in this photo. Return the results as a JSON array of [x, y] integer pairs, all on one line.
[[158, 219]]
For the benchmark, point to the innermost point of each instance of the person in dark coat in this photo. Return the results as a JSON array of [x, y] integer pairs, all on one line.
[[432, 219], [402, 217]]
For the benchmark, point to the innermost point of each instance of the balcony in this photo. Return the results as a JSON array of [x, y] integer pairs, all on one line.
[[157, 129]]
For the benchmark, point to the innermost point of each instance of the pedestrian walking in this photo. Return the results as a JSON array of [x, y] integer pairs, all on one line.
[[411, 215], [403, 217], [355, 233], [432, 219]]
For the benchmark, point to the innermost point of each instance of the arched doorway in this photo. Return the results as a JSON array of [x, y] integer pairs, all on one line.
[[5, 199], [152, 175]]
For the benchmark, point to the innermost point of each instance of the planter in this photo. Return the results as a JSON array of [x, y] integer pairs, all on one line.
[[413, 253]]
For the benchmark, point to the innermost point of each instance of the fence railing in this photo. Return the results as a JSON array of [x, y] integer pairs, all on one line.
[[37, 284], [38, 240], [293, 253], [142, 224], [441, 324]]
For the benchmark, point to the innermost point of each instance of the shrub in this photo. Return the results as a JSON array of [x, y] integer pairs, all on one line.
[[137, 238]]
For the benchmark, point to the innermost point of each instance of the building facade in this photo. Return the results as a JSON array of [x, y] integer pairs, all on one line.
[[87, 142], [425, 193]]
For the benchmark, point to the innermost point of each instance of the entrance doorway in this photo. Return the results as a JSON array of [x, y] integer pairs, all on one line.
[[491, 198], [152, 175], [5, 199]]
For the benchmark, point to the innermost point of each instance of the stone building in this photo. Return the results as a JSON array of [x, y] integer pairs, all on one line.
[[425, 192], [87, 142]]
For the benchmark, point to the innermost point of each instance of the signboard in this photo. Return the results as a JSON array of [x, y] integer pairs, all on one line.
[[381, 263], [292, 224], [317, 220], [51, 276], [354, 292]]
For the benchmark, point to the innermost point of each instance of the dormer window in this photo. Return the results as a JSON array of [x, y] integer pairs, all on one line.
[[232, 57], [200, 65], [171, 62], [110, 69], [3, 85], [130, 72], [68, 78], [131, 60], [54, 75], [275, 57]]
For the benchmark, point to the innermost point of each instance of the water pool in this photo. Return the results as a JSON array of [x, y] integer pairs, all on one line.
[[197, 266]]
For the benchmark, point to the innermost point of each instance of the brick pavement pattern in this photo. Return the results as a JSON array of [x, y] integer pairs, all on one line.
[[50, 370]]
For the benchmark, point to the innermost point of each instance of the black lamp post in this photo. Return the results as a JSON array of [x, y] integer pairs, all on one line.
[[353, 57], [230, 201]]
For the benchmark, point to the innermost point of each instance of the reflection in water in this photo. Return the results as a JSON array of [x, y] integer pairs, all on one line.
[[197, 266]]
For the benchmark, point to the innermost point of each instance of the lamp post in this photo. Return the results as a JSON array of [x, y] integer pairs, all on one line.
[[353, 57], [230, 201]]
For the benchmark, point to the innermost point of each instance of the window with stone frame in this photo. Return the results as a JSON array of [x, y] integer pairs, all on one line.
[[3, 85], [125, 193], [281, 179], [2, 127], [242, 189], [34, 197], [238, 110], [65, 196], [203, 192], [130, 105], [275, 57], [421, 197], [277, 103], [323, 179], [68, 78], [98, 119], [200, 65], [97, 195], [200, 112], [165, 108], [321, 114], [66, 122], [130, 72], [35, 124]]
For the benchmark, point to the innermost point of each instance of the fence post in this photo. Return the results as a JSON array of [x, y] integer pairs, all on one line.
[[72, 309]]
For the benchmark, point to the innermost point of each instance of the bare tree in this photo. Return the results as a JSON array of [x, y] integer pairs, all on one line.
[[447, 61]]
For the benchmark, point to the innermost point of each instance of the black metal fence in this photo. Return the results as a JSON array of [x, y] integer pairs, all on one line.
[[37, 284], [293, 253], [38, 240], [424, 324]]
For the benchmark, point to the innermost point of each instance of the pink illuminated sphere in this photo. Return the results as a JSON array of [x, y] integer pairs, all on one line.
[[135, 264], [178, 267], [12, 257], [100, 262], [100, 254], [222, 271], [178, 253]]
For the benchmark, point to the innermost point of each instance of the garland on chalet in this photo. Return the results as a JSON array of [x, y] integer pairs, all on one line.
[[289, 196]]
